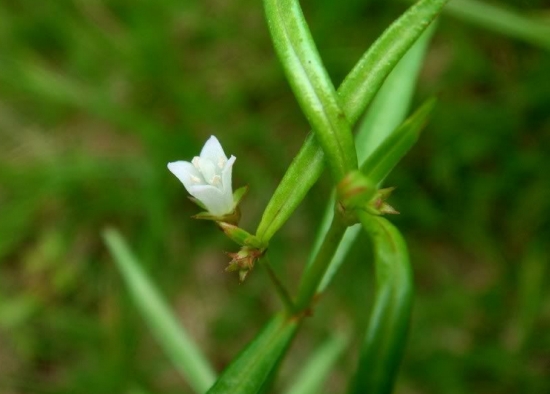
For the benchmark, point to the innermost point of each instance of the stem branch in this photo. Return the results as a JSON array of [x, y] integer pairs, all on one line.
[[315, 272]]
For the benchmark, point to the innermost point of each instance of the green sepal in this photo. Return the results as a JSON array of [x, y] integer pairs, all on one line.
[[379, 206], [232, 217], [239, 194]]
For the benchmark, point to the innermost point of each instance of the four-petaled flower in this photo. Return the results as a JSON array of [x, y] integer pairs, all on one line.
[[208, 177]]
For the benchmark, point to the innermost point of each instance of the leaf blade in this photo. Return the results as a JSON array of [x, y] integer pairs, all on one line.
[[251, 370], [385, 337], [312, 376], [173, 339], [386, 156], [311, 84]]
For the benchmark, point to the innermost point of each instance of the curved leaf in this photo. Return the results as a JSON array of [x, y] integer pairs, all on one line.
[[385, 338]]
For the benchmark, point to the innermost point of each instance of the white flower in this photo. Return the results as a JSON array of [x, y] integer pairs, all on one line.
[[208, 177]]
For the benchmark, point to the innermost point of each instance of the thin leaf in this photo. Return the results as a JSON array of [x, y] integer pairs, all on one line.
[[393, 101], [384, 158], [311, 84], [501, 20], [355, 93], [311, 378], [252, 369], [173, 339], [531, 283], [385, 338]]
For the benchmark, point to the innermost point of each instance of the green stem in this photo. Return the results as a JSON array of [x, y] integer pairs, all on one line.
[[315, 272], [290, 308]]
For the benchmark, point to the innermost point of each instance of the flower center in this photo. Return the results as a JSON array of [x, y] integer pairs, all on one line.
[[209, 170]]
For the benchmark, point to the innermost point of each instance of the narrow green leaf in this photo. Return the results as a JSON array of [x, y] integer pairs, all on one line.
[[311, 84], [252, 369], [501, 20], [385, 338], [393, 101], [315, 271], [386, 112], [366, 78], [384, 158], [300, 176], [311, 378], [173, 339], [531, 283], [355, 93]]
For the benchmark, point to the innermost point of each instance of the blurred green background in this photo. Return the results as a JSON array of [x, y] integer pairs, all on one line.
[[97, 96]]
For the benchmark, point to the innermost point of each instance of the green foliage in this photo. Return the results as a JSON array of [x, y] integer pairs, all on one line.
[[355, 94], [96, 97]]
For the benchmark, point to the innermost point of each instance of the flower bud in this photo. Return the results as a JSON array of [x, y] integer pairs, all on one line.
[[243, 261], [355, 190]]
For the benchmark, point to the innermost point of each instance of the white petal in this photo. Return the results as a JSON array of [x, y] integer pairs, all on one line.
[[226, 178], [186, 173], [212, 150], [212, 198]]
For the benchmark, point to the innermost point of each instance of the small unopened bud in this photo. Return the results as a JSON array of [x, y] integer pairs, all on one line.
[[355, 190], [243, 261]]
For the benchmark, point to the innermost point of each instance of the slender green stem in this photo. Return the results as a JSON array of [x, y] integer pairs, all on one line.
[[315, 272], [290, 308]]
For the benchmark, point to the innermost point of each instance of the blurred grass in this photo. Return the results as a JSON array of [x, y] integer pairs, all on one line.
[[96, 98]]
